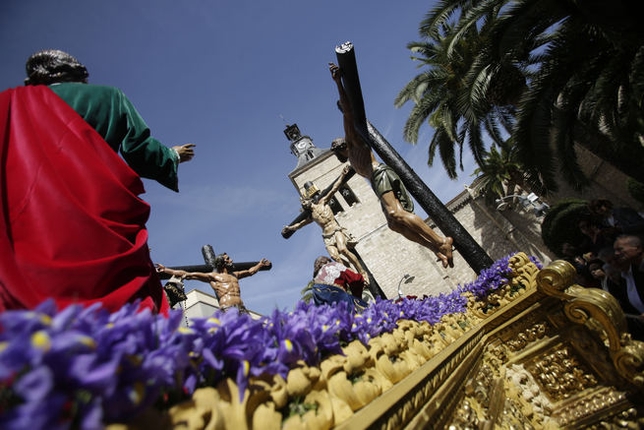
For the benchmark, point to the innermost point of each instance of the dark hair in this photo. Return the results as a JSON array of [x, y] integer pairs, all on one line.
[[597, 261], [220, 261], [591, 220], [339, 146], [51, 66], [632, 239], [338, 143], [593, 205]]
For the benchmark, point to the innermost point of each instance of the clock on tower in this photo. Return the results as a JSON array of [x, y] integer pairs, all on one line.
[[301, 146]]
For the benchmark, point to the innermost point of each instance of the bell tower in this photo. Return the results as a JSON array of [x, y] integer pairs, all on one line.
[[301, 146]]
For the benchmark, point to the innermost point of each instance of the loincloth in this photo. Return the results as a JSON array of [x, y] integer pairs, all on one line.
[[384, 179], [240, 307], [329, 239]]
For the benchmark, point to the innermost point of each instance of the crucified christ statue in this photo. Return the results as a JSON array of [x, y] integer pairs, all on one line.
[[395, 201], [224, 280], [335, 237]]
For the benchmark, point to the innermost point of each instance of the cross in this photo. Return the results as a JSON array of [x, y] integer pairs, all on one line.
[[209, 255]]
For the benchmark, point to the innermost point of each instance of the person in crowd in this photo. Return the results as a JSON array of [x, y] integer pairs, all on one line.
[[224, 280], [596, 235], [333, 283], [620, 220], [597, 269], [607, 256], [572, 254], [396, 202], [73, 224], [629, 259]]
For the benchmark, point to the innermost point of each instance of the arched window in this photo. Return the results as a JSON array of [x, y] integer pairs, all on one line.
[[335, 205], [348, 195]]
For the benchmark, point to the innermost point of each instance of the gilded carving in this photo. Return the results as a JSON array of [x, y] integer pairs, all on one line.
[[625, 419], [556, 278], [599, 312], [629, 362], [589, 405], [560, 374], [525, 388], [529, 335]]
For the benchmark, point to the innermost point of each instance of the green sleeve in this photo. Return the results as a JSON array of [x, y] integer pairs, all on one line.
[[145, 154], [116, 119]]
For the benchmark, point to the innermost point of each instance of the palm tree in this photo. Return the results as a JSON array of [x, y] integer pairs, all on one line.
[[499, 174], [467, 93], [549, 73], [588, 91]]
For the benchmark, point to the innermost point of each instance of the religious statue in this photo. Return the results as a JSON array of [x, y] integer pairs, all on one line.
[[396, 202], [224, 280], [316, 208]]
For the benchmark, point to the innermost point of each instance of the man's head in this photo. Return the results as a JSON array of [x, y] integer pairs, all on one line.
[[319, 263], [311, 192], [588, 226], [51, 66], [600, 207], [223, 261], [306, 204], [339, 148], [628, 250]]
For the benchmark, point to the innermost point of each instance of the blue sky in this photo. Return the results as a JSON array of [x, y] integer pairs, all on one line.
[[228, 76]]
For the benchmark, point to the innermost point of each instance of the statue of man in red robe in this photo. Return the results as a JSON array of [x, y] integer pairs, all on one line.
[[72, 226]]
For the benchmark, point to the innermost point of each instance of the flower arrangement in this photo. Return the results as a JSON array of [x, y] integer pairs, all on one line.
[[82, 367]]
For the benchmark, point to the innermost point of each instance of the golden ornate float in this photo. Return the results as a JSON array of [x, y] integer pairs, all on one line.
[[539, 353]]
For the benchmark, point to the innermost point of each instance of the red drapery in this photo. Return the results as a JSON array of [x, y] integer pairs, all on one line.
[[72, 226]]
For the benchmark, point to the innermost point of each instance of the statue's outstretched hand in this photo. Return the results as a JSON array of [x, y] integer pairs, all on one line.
[[186, 152], [336, 72]]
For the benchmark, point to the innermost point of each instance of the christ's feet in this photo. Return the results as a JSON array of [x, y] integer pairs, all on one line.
[[444, 253]]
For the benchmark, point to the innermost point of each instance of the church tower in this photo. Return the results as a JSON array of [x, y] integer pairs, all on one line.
[[394, 263], [301, 146]]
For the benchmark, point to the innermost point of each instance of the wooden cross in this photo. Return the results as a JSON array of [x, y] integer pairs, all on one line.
[[209, 255]]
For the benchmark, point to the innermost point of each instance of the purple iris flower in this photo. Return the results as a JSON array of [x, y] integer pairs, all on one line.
[[51, 413]]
